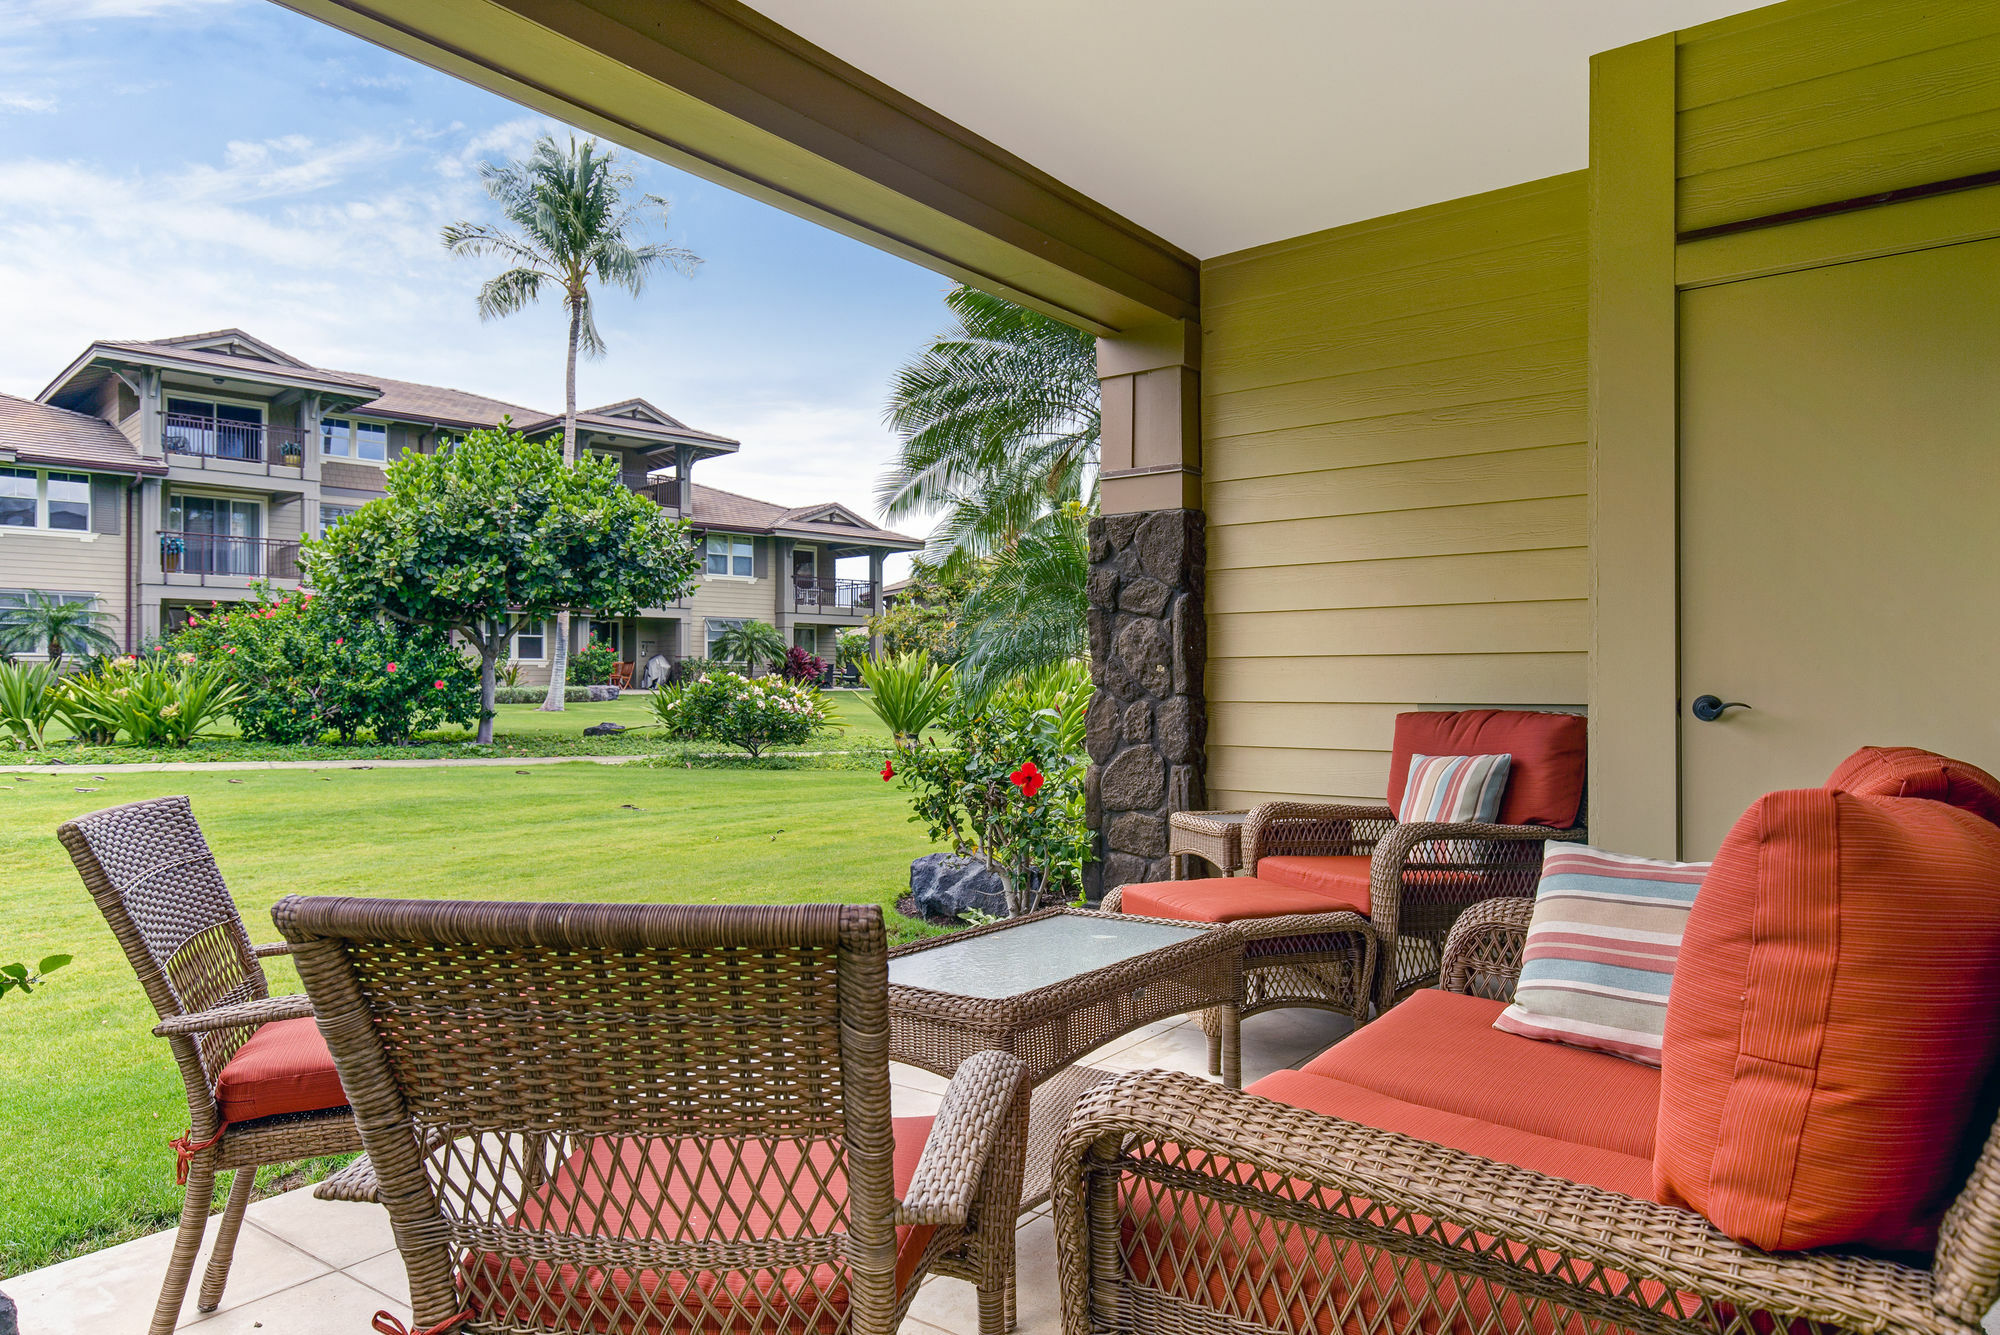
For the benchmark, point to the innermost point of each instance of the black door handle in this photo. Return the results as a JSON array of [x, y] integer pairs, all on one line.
[[1709, 708]]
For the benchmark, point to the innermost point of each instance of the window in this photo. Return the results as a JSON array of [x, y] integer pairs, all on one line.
[[332, 517], [531, 642], [806, 638], [350, 439], [52, 500], [14, 598], [717, 627], [729, 555]]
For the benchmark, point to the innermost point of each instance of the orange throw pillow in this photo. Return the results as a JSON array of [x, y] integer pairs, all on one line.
[[1908, 771], [1834, 1015]]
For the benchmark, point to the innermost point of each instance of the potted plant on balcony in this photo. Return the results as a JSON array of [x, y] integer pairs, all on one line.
[[171, 547], [291, 453]]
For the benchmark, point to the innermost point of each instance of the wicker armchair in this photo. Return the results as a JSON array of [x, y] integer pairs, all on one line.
[[654, 1117], [1184, 1207], [154, 879]]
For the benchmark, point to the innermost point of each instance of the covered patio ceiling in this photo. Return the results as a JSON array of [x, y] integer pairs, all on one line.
[[1223, 126], [1080, 158]]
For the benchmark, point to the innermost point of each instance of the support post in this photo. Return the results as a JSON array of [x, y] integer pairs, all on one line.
[[1148, 722], [785, 598], [877, 562]]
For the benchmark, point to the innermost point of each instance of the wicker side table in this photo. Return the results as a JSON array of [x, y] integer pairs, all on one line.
[[1214, 836]]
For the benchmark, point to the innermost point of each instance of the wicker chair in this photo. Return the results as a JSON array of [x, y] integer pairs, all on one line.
[[654, 1117], [1419, 875], [1344, 1226], [154, 879]]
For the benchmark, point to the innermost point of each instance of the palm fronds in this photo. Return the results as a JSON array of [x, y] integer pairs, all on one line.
[[64, 625], [908, 692], [1031, 609], [749, 643], [999, 427]]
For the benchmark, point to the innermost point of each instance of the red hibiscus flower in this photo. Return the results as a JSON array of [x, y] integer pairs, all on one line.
[[439, 684], [1028, 779], [888, 771], [392, 667], [339, 642]]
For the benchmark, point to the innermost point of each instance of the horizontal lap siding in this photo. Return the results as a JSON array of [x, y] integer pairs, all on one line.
[[1814, 103], [1394, 460], [67, 563]]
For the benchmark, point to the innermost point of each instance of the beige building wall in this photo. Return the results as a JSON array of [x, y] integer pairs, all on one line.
[[1394, 471], [68, 563]]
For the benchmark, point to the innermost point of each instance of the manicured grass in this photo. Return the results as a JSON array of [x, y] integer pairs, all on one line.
[[88, 1098], [518, 730]]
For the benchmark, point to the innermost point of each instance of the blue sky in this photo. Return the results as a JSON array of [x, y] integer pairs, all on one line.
[[168, 166]]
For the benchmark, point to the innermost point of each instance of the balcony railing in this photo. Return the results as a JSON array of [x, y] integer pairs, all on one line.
[[209, 554], [205, 438], [849, 597]]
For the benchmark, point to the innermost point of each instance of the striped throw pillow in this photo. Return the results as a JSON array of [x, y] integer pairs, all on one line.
[[1455, 788], [1602, 945]]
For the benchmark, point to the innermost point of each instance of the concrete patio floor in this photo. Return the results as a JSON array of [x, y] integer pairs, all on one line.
[[307, 1267]]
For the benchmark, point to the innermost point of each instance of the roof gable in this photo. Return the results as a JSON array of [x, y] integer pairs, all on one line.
[[638, 410], [235, 343], [835, 514]]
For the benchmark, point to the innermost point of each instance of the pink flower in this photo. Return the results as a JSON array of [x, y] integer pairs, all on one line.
[[229, 648], [392, 667], [439, 685], [339, 642]]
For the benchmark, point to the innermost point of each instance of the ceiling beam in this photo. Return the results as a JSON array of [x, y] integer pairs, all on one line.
[[717, 89]]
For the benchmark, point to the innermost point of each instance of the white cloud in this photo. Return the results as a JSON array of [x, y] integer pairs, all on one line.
[[87, 11], [15, 100]]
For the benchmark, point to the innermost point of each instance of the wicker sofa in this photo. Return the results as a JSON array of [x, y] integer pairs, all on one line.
[[1184, 1207]]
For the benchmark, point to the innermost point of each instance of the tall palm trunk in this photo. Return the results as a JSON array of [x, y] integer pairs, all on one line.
[[559, 659]]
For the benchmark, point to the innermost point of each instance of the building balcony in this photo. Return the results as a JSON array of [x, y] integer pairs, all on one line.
[[200, 558], [193, 438], [821, 595]]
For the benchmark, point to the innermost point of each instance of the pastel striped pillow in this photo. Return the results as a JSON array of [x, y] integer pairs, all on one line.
[[1455, 788], [1602, 945]]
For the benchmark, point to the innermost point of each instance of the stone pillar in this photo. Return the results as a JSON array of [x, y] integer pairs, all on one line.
[[1148, 723]]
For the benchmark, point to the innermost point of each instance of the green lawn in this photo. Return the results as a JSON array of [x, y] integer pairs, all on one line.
[[518, 730], [88, 1098]]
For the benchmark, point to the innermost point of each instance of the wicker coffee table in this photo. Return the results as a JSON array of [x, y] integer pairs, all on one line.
[[1214, 836], [1051, 987]]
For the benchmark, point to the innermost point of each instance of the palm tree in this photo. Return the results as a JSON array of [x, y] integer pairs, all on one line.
[[1029, 610], [749, 643], [573, 224], [64, 624], [999, 425]]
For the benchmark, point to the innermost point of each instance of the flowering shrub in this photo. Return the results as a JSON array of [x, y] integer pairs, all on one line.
[[1008, 784], [718, 706], [592, 664], [306, 670], [802, 666]]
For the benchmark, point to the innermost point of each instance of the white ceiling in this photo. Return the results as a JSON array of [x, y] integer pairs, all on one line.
[[1221, 124]]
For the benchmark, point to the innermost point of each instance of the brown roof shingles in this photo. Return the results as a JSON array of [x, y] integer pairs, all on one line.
[[38, 433], [726, 509]]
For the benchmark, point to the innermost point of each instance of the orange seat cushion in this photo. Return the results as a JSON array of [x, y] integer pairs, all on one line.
[[1343, 878], [1907, 771], [1235, 898], [1834, 1014], [686, 1191], [1545, 778], [283, 1068], [1439, 1050]]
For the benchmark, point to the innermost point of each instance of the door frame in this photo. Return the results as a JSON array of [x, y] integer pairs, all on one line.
[[1638, 268]]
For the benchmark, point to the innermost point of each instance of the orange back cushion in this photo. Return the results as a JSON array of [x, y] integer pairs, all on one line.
[[1544, 779], [1908, 771], [1834, 1014]]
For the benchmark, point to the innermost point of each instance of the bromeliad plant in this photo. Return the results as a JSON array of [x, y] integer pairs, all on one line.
[[1008, 786], [907, 691], [719, 706], [30, 699]]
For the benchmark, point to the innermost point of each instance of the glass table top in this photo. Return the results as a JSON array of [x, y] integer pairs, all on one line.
[[1034, 954]]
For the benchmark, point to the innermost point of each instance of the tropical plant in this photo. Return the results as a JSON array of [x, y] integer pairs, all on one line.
[[998, 420], [592, 664], [1007, 786], [1030, 609], [739, 711], [159, 701], [495, 533], [573, 224], [307, 668], [64, 623], [29, 701], [802, 666], [850, 649], [749, 643], [89, 702], [925, 615], [19, 977], [906, 691]]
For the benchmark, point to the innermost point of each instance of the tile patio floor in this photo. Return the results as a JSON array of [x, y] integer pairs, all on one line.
[[307, 1267]]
